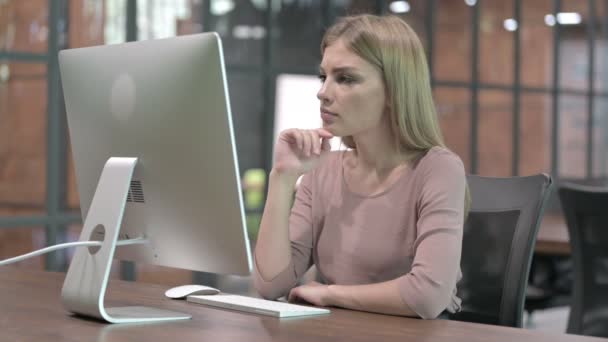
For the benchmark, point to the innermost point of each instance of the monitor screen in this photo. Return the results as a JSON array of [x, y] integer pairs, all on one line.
[[164, 102]]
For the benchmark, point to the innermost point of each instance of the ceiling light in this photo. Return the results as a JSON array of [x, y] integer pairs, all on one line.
[[510, 24], [569, 18], [399, 7], [248, 32], [221, 7], [564, 18], [5, 73]]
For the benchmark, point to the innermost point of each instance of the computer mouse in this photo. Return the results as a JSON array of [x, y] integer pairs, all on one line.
[[184, 291]]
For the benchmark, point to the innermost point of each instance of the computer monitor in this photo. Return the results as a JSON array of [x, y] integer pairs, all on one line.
[[153, 145]]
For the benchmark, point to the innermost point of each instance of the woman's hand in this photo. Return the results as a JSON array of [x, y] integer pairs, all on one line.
[[298, 151], [313, 292]]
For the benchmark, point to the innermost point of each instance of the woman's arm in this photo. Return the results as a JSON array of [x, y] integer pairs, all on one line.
[[284, 242], [424, 292], [379, 297], [273, 250]]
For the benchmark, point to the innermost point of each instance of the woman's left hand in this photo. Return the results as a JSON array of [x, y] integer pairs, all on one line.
[[313, 292]]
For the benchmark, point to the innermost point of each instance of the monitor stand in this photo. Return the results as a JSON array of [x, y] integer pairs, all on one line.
[[87, 277]]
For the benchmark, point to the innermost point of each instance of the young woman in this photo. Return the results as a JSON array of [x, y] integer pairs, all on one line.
[[382, 222]]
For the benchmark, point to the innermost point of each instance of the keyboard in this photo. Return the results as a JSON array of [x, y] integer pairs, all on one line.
[[256, 305]]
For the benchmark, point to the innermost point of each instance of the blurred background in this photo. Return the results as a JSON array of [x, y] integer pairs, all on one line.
[[521, 87]]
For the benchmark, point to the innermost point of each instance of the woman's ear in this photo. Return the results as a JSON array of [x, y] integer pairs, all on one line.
[[388, 108]]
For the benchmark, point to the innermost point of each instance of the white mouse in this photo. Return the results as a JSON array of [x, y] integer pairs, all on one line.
[[184, 291]]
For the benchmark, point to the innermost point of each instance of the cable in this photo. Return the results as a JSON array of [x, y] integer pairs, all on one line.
[[67, 245]]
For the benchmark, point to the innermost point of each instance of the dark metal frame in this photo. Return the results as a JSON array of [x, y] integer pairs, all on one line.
[[555, 93], [474, 145], [590, 86], [516, 90], [57, 218]]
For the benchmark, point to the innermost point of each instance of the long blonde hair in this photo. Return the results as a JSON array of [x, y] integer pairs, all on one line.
[[393, 47]]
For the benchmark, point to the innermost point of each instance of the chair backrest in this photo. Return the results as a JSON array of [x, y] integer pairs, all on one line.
[[498, 243], [586, 211]]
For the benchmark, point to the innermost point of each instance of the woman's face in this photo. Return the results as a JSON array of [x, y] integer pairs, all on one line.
[[352, 94]]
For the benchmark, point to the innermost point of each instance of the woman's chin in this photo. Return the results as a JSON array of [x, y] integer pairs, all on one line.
[[331, 129]]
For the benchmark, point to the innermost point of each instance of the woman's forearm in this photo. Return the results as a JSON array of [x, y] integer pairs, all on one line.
[[273, 251], [382, 298]]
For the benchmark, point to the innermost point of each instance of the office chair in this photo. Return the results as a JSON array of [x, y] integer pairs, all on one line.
[[498, 243], [551, 276], [586, 211]]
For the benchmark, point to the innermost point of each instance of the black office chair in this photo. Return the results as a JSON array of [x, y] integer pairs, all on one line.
[[586, 211], [498, 243], [551, 276]]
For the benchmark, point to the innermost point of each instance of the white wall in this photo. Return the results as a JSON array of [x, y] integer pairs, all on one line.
[[297, 106]]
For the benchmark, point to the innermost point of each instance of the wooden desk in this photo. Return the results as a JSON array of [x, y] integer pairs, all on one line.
[[31, 311], [553, 238]]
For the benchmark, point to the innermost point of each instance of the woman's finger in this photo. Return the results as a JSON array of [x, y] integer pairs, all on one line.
[[324, 133], [291, 297], [290, 136], [307, 142], [316, 142], [325, 145], [299, 139]]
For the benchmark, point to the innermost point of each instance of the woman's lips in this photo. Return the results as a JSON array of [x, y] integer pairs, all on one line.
[[328, 117]]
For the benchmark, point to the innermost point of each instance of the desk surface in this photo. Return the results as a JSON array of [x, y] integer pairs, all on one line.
[[31, 310]]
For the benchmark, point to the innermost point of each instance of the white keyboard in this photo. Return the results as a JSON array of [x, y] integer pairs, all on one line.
[[256, 305]]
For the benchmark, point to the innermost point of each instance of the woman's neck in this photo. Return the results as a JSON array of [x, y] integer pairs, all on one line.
[[376, 150], [374, 166], [375, 158]]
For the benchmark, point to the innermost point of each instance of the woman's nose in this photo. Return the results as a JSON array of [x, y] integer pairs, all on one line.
[[323, 94]]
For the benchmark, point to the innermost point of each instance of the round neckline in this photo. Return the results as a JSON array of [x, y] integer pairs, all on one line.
[[406, 170]]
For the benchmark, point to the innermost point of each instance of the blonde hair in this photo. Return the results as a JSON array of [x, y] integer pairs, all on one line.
[[393, 47]]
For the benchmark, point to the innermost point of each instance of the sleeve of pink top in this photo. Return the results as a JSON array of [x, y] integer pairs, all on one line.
[[429, 286], [300, 234]]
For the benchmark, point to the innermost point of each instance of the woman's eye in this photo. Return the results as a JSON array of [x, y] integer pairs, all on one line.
[[345, 79], [322, 78]]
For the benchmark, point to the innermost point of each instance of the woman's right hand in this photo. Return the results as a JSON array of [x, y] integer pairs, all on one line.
[[298, 151]]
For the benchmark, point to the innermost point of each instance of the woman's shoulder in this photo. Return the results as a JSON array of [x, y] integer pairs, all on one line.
[[440, 159]]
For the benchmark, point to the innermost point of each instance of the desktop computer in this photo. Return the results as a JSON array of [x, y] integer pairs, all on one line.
[[157, 172], [152, 139]]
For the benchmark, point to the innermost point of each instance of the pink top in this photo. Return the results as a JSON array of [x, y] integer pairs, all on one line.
[[411, 232]]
